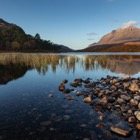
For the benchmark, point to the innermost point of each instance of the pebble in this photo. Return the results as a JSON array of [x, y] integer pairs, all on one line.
[[83, 125], [137, 114], [66, 117], [46, 123], [134, 87], [50, 95], [122, 129], [87, 100], [132, 119]]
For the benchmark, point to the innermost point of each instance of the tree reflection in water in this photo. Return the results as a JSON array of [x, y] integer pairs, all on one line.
[[15, 65]]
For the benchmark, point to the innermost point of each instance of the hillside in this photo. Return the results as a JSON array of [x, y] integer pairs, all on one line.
[[13, 38], [121, 40]]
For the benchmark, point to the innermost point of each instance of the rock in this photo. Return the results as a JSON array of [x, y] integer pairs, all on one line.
[[107, 133], [125, 97], [122, 129], [132, 119], [133, 102], [86, 81], [61, 87], [87, 100], [66, 117], [69, 97], [137, 97], [120, 101], [74, 84], [113, 81], [113, 87], [46, 123], [86, 139], [126, 84], [83, 125], [138, 126], [81, 93], [78, 80], [58, 119], [100, 94], [137, 114], [101, 117], [100, 125], [134, 87], [67, 91], [50, 95], [65, 81], [139, 105], [103, 101]]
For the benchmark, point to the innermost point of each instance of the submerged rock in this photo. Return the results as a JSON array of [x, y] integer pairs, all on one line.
[[122, 129], [46, 123], [61, 87], [87, 100]]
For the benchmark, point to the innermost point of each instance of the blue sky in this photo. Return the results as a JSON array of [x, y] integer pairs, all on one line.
[[74, 23]]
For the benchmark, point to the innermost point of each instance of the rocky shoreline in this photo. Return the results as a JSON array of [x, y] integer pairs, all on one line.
[[110, 95]]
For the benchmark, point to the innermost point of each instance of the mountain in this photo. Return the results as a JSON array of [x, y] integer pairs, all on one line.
[[13, 38], [121, 35], [121, 40]]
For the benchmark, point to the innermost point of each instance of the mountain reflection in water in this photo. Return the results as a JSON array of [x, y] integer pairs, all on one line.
[[13, 66]]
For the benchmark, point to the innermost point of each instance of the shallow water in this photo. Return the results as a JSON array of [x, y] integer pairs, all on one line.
[[29, 94]]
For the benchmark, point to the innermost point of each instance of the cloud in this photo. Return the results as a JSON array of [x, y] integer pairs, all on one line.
[[91, 39], [129, 23], [92, 33]]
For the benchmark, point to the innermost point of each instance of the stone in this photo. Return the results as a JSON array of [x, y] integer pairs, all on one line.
[[139, 105], [86, 139], [69, 97], [125, 97], [113, 81], [113, 87], [132, 119], [100, 125], [61, 87], [66, 117], [78, 80], [74, 84], [87, 100], [50, 95], [120, 101], [126, 84], [103, 101], [67, 90], [65, 81], [137, 97], [133, 102], [46, 123], [101, 117], [122, 129], [134, 87], [138, 126], [137, 114], [58, 119], [83, 125]]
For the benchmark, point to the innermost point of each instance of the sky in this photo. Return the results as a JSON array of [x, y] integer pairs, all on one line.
[[73, 23]]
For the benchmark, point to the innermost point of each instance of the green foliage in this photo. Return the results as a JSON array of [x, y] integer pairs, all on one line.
[[13, 38]]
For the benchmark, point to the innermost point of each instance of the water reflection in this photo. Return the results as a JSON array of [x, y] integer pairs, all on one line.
[[13, 66]]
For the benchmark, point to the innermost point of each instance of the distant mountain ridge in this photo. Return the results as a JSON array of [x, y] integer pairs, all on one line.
[[120, 40], [13, 38], [121, 35]]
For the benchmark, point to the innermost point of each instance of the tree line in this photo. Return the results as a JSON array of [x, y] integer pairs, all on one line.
[[14, 39]]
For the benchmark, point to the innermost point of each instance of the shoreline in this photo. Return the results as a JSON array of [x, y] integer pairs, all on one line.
[[110, 96]]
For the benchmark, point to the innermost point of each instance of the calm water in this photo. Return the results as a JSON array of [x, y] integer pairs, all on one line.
[[32, 107]]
